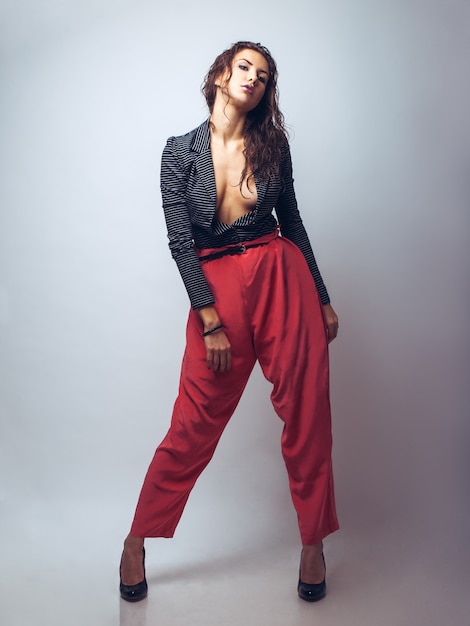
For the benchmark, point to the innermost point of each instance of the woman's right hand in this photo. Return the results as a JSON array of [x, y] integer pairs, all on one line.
[[218, 352]]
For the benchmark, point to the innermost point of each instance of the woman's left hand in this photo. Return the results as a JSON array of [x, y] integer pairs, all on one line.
[[331, 322]]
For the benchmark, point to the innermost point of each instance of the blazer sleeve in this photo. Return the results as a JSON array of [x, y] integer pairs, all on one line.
[[173, 183], [292, 226]]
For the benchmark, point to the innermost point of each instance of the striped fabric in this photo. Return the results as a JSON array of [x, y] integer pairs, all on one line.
[[189, 204]]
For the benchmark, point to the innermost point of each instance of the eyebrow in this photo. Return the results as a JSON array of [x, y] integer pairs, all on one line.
[[250, 63]]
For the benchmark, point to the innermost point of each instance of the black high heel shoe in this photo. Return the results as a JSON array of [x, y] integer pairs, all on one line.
[[312, 592], [134, 593]]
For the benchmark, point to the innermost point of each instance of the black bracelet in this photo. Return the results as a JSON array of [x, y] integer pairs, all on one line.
[[212, 330]]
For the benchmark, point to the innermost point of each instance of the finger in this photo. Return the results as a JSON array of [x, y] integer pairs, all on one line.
[[222, 362], [209, 359], [215, 361]]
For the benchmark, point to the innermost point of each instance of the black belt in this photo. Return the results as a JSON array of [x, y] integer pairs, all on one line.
[[232, 251]]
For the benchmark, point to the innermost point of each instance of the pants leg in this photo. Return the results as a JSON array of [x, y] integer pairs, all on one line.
[[205, 403], [291, 345]]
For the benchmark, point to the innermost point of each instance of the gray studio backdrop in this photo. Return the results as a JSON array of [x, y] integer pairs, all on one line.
[[92, 310]]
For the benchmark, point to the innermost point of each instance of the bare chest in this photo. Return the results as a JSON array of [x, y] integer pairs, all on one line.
[[233, 199]]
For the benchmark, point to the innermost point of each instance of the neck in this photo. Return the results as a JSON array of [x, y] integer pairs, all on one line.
[[227, 124]]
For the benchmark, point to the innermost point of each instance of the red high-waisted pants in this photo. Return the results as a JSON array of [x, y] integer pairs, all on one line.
[[269, 306]]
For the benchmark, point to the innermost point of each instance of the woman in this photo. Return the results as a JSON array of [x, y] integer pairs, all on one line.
[[254, 295]]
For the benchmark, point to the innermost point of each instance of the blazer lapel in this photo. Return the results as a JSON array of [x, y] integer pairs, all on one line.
[[261, 189], [203, 162]]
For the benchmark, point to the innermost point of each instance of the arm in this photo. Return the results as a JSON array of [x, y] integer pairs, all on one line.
[[173, 184], [173, 187], [292, 227]]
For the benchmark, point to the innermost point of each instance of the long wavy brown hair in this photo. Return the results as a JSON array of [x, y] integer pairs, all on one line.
[[265, 133]]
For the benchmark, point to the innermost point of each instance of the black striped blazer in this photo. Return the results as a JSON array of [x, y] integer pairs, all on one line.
[[189, 203]]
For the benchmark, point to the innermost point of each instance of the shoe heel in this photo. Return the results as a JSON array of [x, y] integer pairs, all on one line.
[[312, 592], [134, 593]]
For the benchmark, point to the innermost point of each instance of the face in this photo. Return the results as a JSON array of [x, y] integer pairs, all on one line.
[[250, 75]]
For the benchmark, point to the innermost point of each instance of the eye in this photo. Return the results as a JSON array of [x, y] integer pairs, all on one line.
[[242, 67], [261, 78]]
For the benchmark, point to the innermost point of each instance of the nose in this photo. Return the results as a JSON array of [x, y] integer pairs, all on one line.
[[253, 76]]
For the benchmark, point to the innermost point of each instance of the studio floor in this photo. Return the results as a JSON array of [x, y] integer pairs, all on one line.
[[54, 574]]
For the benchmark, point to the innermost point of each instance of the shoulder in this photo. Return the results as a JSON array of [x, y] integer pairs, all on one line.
[[181, 151], [182, 140], [286, 158], [193, 140]]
